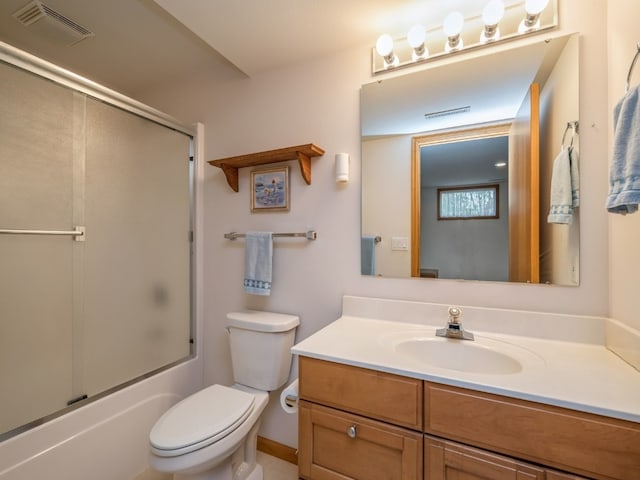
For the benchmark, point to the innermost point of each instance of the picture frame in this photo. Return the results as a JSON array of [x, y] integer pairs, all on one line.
[[270, 190]]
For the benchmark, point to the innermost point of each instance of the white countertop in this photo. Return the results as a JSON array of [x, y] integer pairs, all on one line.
[[583, 376]]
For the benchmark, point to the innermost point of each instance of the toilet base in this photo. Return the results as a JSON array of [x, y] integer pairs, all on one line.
[[223, 472]]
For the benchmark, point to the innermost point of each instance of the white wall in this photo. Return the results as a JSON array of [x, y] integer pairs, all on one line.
[[319, 102], [388, 198], [559, 244], [624, 231]]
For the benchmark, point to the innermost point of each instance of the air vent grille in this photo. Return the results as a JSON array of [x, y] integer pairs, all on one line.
[[45, 20], [451, 111]]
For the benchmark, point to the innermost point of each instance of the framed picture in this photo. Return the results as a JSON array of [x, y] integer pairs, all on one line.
[[270, 190]]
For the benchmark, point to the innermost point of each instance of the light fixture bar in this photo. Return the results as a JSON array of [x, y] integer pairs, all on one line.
[[496, 21]]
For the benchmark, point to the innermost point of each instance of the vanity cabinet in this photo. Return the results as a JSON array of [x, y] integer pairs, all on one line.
[[356, 423]]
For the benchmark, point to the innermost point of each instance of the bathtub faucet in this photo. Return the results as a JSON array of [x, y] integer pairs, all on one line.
[[454, 327]]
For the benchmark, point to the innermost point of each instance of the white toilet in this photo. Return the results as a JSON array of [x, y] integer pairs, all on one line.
[[211, 435]]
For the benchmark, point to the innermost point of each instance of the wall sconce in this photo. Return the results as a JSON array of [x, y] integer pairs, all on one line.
[[342, 167], [491, 16], [531, 21], [452, 28], [498, 21], [384, 47]]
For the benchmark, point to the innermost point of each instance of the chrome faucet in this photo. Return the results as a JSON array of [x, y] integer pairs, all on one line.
[[454, 327]]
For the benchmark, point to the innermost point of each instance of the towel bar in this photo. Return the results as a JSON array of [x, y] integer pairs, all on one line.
[[309, 235], [633, 64]]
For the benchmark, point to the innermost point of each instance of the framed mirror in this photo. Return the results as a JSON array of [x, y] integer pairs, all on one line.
[[498, 119]]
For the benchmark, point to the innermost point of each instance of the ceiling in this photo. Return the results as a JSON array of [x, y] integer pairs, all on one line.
[[139, 44]]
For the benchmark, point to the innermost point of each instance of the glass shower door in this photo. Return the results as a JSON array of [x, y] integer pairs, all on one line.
[[83, 314], [36, 271]]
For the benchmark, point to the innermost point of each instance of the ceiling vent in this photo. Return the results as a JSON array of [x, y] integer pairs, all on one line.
[[445, 113], [44, 20]]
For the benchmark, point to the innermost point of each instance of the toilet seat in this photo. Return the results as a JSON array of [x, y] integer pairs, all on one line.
[[200, 420]]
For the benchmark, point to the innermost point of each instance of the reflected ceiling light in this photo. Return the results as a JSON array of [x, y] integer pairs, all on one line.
[[500, 164], [491, 16], [531, 21], [452, 27], [384, 47], [416, 37]]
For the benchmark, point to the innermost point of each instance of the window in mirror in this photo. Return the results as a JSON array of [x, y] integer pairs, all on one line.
[[466, 203]]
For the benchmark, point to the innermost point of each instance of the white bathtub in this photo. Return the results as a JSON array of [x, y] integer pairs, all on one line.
[[105, 440]]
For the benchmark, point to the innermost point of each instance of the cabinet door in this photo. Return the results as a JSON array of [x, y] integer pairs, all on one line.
[[445, 460], [335, 445]]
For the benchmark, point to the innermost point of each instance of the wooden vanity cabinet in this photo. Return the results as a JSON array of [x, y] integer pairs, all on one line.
[[356, 423]]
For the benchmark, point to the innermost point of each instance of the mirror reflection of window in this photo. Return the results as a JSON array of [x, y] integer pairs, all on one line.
[[467, 203]]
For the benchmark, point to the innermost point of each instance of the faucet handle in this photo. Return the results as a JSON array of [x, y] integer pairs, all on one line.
[[454, 314]]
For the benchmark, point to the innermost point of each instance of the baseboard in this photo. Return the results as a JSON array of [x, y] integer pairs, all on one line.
[[278, 450]]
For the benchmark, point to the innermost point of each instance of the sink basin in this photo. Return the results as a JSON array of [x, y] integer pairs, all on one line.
[[461, 355]]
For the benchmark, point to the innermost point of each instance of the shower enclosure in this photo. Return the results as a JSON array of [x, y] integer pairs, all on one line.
[[95, 241]]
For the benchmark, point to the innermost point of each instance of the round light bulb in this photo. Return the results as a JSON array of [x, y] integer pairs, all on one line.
[[384, 45], [534, 7], [416, 36], [453, 24], [493, 12]]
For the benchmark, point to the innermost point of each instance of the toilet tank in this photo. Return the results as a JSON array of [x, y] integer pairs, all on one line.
[[260, 345]]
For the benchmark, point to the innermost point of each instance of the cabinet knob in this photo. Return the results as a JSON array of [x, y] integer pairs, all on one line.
[[351, 431]]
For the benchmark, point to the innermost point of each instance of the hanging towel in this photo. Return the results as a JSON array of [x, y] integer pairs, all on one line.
[[624, 171], [565, 187], [258, 256], [368, 255]]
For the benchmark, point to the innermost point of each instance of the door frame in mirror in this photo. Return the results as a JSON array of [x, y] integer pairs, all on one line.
[[419, 141]]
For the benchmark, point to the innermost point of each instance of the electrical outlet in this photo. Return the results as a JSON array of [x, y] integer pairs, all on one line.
[[399, 243]]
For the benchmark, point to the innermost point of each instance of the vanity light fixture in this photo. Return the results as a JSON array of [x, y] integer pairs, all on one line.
[[491, 16], [531, 21], [384, 47], [498, 21], [416, 38], [452, 27]]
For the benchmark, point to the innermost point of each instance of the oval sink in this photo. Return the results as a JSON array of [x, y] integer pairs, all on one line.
[[461, 355]]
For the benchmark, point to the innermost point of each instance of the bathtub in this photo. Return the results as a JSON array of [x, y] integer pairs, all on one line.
[[105, 440]]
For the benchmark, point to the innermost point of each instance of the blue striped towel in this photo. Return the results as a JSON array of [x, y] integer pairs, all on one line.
[[258, 257]]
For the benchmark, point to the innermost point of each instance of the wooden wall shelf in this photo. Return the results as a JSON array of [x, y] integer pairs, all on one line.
[[302, 153]]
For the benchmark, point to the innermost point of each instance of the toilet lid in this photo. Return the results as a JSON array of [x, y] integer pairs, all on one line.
[[200, 420]]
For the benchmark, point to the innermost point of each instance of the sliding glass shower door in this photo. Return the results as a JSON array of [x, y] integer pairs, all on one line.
[[94, 247]]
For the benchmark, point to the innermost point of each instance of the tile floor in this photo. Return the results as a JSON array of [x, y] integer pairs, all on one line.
[[274, 469]]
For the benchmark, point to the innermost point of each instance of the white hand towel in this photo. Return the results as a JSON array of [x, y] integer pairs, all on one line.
[[258, 257], [565, 187]]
